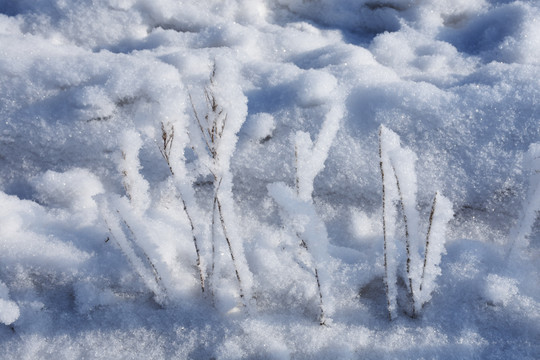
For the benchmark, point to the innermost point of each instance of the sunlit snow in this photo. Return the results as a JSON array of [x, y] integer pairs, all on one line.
[[273, 179]]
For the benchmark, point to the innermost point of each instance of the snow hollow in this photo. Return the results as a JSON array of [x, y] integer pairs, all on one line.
[[269, 179]]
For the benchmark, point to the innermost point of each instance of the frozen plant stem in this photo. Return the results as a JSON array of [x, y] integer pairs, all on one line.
[[385, 236], [401, 189], [157, 277], [114, 222], [407, 243], [212, 128], [138, 202], [222, 220], [309, 159], [388, 144], [303, 244], [426, 252], [168, 137]]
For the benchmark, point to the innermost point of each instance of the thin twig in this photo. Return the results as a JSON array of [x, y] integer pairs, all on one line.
[[214, 212], [322, 318], [166, 148], [167, 138], [230, 249], [303, 244], [426, 252], [157, 277], [384, 228], [212, 133], [297, 178], [195, 243], [407, 241]]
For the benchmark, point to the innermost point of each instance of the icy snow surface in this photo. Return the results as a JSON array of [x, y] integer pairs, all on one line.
[[147, 153]]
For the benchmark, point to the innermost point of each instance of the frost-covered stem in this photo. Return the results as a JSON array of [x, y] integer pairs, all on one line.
[[322, 318], [168, 137], [214, 212], [388, 143], [297, 177], [403, 189], [217, 206], [407, 243], [165, 149], [441, 213], [385, 239], [157, 277], [217, 203], [305, 246], [309, 160], [152, 281], [195, 243], [426, 252], [136, 187], [212, 127], [225, 234]]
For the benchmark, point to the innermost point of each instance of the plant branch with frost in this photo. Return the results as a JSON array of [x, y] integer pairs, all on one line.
[[389, 191], [138, 199], [310, 157], [218, 131], [114, 221], [185, 191], [135, 185], [399, 186], [309, 161]]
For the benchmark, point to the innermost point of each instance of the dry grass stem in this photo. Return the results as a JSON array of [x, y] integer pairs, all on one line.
[[385, 236], [407, 242], [322, 320], [167, 136], [212, 127], [426, 251]]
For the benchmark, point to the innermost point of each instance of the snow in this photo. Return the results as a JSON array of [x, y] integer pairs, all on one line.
[[128, 229], [136, 187], [259, 126], [519, 235], [9, 311]]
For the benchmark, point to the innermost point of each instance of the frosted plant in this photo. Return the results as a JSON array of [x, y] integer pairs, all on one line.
[[172, 150], [519, 235], [135, 185], [298, 205], [223, 118], [310, 157], [441, 213], [399, 187], [300, 216], [389, 194], [129, 213], [132, 226], [118, 228]]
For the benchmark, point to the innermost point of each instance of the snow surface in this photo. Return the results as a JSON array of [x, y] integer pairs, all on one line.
[[98, 257]]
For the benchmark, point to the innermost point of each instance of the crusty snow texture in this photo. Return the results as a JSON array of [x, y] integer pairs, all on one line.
[[130, 229]]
